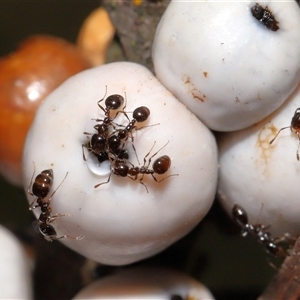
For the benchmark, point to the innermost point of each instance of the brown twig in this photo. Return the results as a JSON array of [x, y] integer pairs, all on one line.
[[136, 26], [286, 283]]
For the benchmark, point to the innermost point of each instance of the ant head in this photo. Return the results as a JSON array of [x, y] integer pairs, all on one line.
[[122, 154], [114, 142], [98, 143], [121, 170]]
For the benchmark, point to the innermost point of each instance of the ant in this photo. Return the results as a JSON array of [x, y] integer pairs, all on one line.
[[40, 189], [160, 166], [259, 231], [140, 115], [294, 127], [176, 297], [112, 102], [102, 147], [100, 140], [265, 16]]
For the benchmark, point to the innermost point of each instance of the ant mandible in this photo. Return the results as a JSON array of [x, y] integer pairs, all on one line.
[[294, 127], [40, 189]]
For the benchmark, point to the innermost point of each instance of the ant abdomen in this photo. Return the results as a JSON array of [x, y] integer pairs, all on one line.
[[114, 101], [141, 113], [162, 164], [239, 215], [42, 183]]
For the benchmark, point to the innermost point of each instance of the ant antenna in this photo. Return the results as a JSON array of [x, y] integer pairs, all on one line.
[[58, 187], [295, 128], [283, 128], [149, 161]]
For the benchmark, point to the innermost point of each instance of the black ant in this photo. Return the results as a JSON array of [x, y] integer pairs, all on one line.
[[40, 189], [100, 140], [112, 102], [160, 166], [259, 231], [265, 16], [294, 127], [140, 115]]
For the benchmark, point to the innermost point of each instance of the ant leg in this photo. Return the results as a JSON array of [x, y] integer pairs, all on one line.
[[98, 103], [97, 120], [259, 216], [139, 128], [31, 206], [58, 187], [286, 238], [83, 155], [30, 184], [278, 133], [297, 154], [87, 133], [158, 181], [52, 238], [54, 217], [123, 109], [141, 182], [148, 155], [272, 265], [149, 161], [105, 182], [133, 147]]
